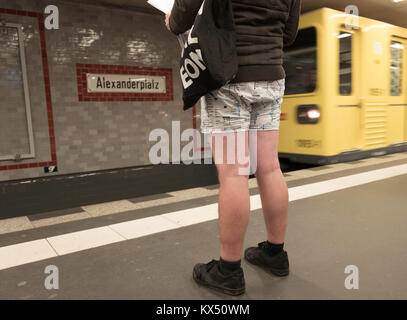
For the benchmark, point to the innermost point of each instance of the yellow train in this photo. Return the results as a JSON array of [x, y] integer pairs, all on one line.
[[346, 90]]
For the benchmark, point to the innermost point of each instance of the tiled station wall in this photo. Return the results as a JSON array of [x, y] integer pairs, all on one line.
[[83, 136]]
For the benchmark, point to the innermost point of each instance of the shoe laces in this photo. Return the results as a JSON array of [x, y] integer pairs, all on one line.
[[211, 264], [263, 245]]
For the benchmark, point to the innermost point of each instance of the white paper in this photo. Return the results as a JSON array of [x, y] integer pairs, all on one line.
[[162, 5]]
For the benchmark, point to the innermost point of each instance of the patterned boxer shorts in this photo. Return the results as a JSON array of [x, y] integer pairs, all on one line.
[[242, 107]]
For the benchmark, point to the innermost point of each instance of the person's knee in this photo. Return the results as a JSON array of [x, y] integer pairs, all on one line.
[[267, 166], [232, 171]]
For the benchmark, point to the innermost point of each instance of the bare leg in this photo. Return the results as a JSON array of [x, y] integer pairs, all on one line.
[[272, 185], [234, 204]]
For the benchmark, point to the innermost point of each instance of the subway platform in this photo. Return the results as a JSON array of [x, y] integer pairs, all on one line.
[[349, 214]]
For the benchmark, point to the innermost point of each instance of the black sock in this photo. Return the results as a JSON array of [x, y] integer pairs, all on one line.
[[227, 267], [274, 249]]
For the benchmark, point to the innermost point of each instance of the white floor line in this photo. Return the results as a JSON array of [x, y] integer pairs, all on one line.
[[83, 240], [32, 251], [26, 252]]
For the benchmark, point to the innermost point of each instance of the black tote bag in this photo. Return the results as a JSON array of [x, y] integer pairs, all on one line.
[[209, 58]]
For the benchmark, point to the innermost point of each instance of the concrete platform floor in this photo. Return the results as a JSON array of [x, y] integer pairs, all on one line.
[[361, 221]]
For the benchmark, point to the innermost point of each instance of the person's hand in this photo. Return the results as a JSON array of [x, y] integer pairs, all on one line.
[[167, 21]]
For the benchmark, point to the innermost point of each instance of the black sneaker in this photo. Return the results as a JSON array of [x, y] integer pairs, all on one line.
[[209, 275], [276, 264]]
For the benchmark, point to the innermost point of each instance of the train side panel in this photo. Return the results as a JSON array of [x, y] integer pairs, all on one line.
[[360, 96]]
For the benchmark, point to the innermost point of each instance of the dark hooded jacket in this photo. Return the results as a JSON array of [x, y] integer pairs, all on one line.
[[263, 29]]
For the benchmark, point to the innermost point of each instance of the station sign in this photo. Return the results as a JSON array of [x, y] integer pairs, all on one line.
[[98, 82], [125, 83]]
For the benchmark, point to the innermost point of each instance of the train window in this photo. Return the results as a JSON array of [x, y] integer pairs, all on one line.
[[396, 68], [300, 63], [345, 63]]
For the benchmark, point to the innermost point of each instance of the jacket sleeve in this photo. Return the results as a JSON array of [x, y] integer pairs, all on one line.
[[291, 27], [183, 15]]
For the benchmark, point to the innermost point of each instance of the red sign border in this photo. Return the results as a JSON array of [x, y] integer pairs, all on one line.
[[45, 69]]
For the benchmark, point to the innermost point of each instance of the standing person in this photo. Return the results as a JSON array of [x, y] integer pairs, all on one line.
[[251, 102]]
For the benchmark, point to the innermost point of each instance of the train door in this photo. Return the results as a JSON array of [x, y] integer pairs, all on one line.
[[348, 88], [374, 98], [404, 85], [398, 86], [405, 89]]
